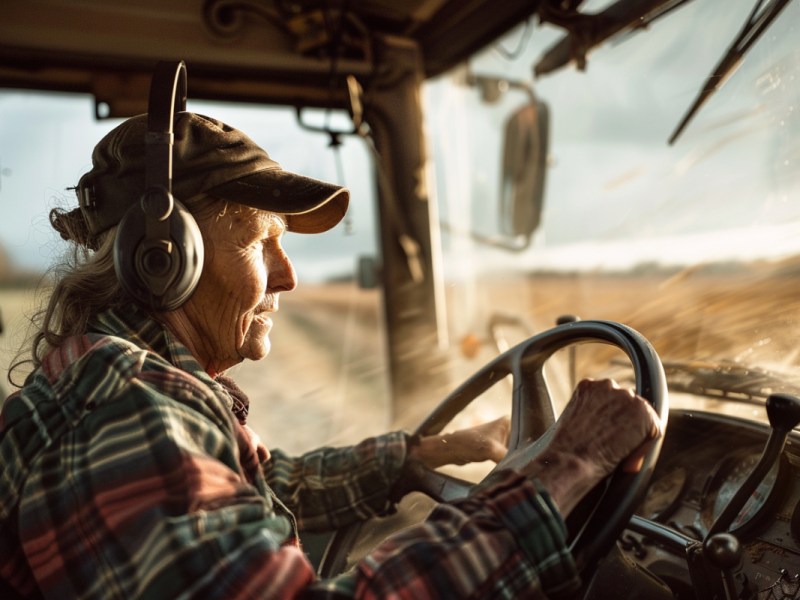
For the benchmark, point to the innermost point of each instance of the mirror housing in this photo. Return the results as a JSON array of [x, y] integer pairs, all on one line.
[[524, 168]]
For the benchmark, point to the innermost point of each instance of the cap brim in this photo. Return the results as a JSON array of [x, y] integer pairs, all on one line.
[[310, 205]]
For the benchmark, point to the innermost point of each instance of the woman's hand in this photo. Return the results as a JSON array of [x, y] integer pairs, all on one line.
[[488, 441], [602, 426]]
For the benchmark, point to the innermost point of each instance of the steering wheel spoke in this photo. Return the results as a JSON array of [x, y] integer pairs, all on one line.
[[532, 409], [439, 486]]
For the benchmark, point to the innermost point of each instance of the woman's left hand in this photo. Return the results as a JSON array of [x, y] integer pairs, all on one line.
[[488, 441]]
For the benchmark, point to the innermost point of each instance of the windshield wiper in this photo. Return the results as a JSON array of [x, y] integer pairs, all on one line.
[[728, 380], [757, 23]]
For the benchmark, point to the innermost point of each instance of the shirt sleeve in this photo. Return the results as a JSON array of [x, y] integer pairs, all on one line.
[[330, 488], [507, 541]]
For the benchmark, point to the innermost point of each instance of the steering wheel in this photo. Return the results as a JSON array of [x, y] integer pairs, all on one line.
[[532, 425]]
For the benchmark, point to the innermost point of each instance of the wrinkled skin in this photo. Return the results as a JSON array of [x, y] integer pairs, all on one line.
[[227, 318], [601, 427], [488, 441]]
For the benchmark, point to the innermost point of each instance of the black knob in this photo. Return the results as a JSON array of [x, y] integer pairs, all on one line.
[[783, 411], [723, 551]]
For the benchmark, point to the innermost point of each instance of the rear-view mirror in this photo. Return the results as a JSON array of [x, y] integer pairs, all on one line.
[[523, 170]]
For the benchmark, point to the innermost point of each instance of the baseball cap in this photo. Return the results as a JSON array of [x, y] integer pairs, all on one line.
[[208, 157]]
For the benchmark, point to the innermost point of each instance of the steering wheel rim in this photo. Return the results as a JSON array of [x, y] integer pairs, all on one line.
[[532, 420]]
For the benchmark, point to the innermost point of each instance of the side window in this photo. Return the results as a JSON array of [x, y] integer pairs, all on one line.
[[325, 379]]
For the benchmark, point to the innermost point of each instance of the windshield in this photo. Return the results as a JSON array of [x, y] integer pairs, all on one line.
[[695, 244]]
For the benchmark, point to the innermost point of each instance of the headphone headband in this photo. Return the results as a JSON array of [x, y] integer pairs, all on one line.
[[158, 252], [169, 81]]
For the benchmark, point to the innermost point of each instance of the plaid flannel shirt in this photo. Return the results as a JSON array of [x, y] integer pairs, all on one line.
[[125, 475]]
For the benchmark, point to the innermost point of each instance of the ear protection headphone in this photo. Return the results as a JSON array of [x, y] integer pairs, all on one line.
[[158, 251]]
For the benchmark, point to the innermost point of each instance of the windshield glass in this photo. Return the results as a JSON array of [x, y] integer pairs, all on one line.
[[693, 244]]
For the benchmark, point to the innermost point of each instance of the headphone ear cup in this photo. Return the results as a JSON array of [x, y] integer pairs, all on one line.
[[160, 274]]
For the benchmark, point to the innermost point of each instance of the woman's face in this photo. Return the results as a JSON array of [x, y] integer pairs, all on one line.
[[245, 270]]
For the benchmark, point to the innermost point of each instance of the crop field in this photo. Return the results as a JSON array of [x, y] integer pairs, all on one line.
[[325, 379]]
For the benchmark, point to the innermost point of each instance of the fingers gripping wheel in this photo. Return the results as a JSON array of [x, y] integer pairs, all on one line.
[[158, 251]]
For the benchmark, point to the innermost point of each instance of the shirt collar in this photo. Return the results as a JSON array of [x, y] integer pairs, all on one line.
[[133, 324]]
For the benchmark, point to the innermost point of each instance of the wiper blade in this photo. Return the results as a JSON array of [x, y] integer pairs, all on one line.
[[728, 380], [757, 23]]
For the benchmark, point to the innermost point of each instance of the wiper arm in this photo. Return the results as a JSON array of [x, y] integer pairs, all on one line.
[[586, 31], [757, 23]]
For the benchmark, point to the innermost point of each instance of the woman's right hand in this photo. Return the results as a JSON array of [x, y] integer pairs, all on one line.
[[601, 427]]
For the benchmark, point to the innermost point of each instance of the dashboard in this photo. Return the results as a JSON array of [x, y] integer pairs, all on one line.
[[704, 460]]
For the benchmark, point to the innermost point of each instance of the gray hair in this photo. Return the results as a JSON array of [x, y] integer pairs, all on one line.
[[85, 282]]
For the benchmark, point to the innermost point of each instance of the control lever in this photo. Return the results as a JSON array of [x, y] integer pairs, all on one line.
[[724, 552], [713, 563], [783, 412]]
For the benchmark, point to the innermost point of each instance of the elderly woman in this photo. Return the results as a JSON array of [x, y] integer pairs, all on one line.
[[129, 470]]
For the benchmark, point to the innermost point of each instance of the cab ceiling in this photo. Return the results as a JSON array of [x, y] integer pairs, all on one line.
[[271, 51]]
